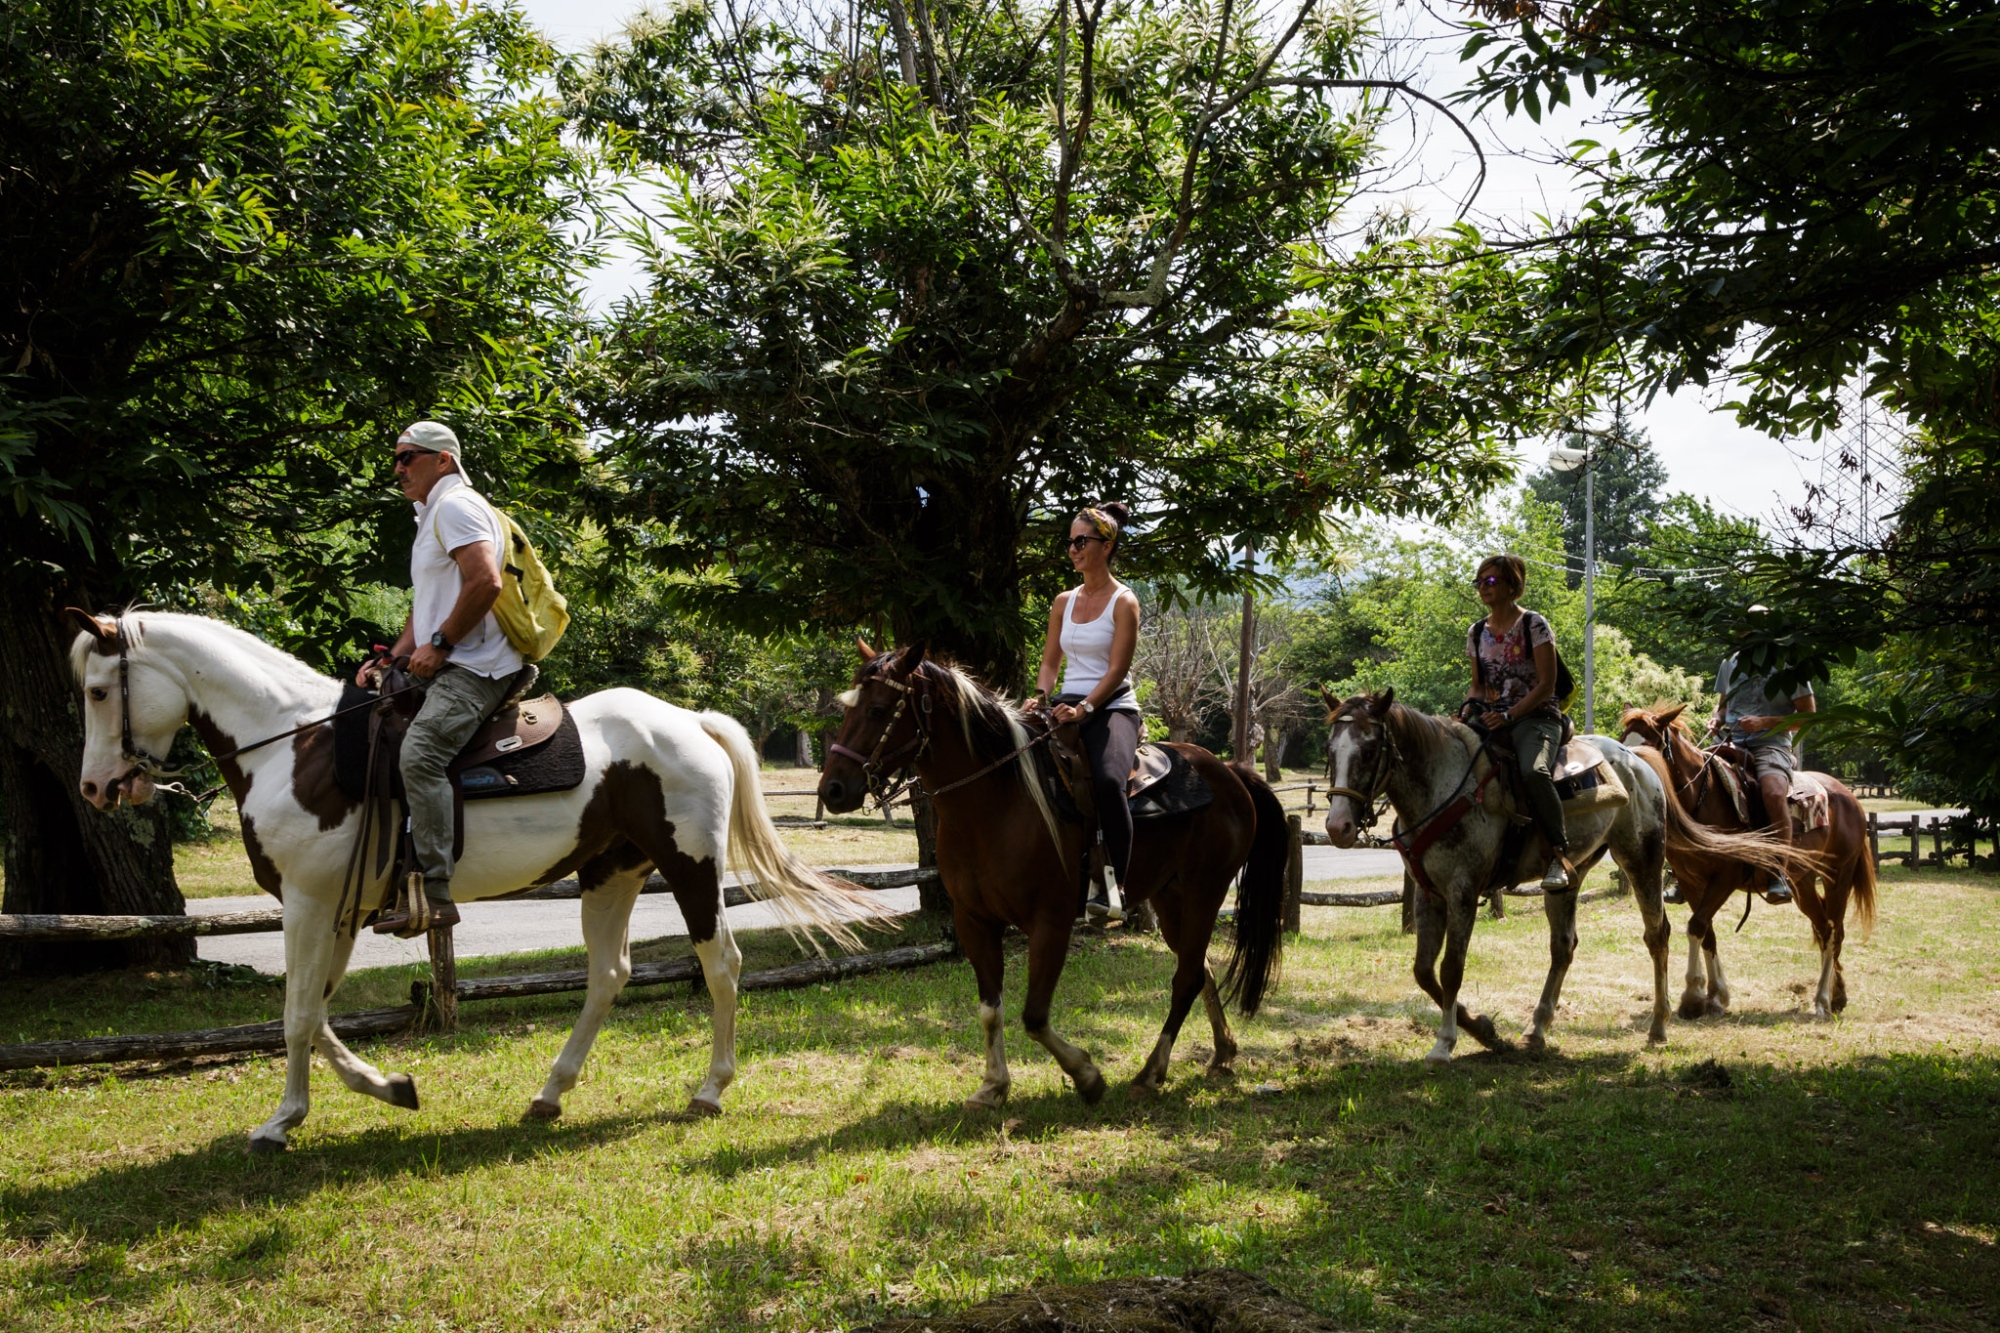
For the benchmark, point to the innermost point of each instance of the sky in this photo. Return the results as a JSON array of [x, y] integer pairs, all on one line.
[[1706, 453]]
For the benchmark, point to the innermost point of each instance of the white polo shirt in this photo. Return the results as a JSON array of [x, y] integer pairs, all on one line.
[[455, 516]]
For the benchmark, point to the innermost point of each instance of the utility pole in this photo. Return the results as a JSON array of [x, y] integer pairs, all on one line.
[[1239, 740], [1590, 591]]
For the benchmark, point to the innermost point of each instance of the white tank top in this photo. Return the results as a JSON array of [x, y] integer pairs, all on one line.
[[1086, 649]]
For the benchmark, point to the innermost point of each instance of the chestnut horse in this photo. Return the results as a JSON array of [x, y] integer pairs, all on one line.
[[1442, 783], [1007, 860], [1837, 855]]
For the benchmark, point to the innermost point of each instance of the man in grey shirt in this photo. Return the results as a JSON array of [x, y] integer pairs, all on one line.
[[1750, 711]]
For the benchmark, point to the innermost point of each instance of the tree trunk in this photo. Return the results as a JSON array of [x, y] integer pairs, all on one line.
[[1275, 741], [61, 855], [804, 754]]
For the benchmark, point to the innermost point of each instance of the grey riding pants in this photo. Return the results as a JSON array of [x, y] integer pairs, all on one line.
[[1537, 743], [455, 704]]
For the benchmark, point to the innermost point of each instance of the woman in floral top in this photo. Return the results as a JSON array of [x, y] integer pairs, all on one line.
[[1513, 654]]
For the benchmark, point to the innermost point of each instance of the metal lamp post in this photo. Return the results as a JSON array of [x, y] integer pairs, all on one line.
[[1569, 460]]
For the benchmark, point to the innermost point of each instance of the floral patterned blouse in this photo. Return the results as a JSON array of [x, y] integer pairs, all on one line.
[[1507, 663]]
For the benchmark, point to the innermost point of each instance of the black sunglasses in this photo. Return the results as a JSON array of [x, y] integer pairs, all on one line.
[[403, 456], [1490, 581], [1078, 543]]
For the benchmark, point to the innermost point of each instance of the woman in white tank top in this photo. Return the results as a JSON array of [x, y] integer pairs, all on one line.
[[1093, 632]]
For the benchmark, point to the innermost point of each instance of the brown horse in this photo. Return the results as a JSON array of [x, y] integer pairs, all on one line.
[[1008, 860], [1838, 856]]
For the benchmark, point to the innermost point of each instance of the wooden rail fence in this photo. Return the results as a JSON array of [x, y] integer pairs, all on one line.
[[1949, 839]]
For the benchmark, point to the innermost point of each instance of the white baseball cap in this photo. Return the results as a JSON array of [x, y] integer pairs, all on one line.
[[432, 437]]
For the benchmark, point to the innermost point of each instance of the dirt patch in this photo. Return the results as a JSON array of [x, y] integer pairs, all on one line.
[[1222, 1300]]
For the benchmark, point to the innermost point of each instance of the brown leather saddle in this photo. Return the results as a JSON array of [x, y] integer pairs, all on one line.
[[1162, 782]]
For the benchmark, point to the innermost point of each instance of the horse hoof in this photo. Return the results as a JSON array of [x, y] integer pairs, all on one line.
[[1487, 1035], [986, 1100], [541, 1110], [403, 1091], [262, 1147], [704, 1108], [1536, 1042], [1657, 1037], [1693, 1009], [1090, 1086], [1715, 1009], [1220, 1069], [1143, 1089]]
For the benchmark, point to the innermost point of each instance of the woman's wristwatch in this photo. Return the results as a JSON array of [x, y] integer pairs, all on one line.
[[1086, 707]]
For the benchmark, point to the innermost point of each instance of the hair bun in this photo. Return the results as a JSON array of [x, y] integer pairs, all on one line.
[[1116, 511]]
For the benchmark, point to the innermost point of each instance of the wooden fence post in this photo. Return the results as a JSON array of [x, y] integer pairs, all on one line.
[[1295, 873], [1409, 903], [1937, 842], [1916, 850], [444, 981], [1874, 838]]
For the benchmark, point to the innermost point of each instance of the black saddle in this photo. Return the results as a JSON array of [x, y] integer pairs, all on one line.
[[1162, 782], [524, 748]]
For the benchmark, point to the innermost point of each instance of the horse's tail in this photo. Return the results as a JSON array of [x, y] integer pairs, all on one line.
[[805, 897], [1864, 885], [1260, 901], [1758, 851]]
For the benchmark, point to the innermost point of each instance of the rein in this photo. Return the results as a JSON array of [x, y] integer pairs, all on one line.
[[1413, 842], [156, 768], [875, 763]]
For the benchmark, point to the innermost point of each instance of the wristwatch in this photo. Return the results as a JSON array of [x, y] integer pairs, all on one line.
[[440, 642], [1086, 707]]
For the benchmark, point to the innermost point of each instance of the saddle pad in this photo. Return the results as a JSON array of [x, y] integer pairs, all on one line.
[[1809, 802], [1739, 800], [1178, 791]]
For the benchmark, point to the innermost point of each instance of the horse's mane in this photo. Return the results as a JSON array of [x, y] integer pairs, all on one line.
[[134, 625], [992, 728]]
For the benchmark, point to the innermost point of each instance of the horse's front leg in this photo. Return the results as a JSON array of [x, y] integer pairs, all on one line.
[[1048, 948], [355, 1072], [309, 951], [981, 941], [1430, 923], [607, 916]]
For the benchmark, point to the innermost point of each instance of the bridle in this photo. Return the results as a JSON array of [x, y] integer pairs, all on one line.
[[875, 764], [1373, 801]]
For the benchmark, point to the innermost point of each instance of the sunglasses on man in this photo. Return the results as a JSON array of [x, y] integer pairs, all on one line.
[[1078, 543], [403, 456]]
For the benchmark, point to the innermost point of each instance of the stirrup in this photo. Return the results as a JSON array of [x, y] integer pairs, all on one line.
[[414, 911]]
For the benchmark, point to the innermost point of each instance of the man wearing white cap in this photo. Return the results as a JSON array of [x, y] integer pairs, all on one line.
[[451, 639]]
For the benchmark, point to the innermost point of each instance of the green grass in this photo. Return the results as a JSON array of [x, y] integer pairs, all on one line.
[[1849, 1177]]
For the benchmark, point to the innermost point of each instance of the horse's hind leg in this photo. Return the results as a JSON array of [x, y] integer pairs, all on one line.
[[1560, 909], [608, 895], [722, 966], [308, 965], [1695, 988], [1048, 947], [1719, 994], [1644, 868], [981, 941], [355, 1072], [1430, 938], [1191, 978]]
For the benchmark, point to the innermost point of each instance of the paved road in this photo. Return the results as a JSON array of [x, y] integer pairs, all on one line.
[[490, 928]]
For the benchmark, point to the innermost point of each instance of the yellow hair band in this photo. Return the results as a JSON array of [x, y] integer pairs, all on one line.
[[1098, 519]]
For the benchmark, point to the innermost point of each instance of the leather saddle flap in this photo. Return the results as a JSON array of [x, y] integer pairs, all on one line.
[[530, 723], [1150, 765], [1577, 758], [1178, 789]]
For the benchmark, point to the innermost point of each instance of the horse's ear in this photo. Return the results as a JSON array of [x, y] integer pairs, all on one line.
[[1326, 697], [1668, 718], [912, 658], [1379, 704], [867, 653], [102, 628]]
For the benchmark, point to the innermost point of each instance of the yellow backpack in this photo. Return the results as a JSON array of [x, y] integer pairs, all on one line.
[[531, 613]]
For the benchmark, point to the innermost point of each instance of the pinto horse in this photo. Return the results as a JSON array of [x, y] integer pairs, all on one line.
[[1440, 779], [1007, 860], [664, 789], [1838, 855]]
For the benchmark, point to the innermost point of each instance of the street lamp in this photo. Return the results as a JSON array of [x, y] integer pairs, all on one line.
[[1569, 460]]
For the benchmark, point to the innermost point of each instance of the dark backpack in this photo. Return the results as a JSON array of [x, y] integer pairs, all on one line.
[[1565, 683]]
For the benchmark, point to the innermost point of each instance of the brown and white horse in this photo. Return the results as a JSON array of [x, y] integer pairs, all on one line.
[[1436, 769], [1837, 856], [664, 789], [1006, 860]]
